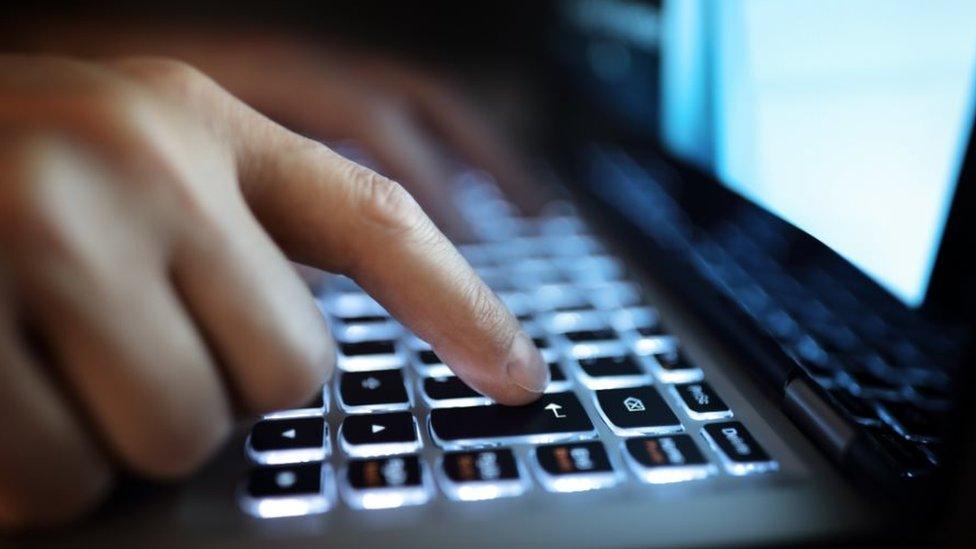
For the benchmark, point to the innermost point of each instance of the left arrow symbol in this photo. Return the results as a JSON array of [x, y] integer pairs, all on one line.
[[290, 433]]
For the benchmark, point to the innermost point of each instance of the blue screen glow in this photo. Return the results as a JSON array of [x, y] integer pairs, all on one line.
[[847, 118]]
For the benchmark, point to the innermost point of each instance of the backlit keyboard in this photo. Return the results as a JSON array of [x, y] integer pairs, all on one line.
[[395, 427]]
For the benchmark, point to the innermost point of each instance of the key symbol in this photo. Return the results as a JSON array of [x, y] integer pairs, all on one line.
[[554, 408], [371, 383], [285, 479]]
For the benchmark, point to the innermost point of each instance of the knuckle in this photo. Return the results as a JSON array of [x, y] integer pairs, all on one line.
[[163, 73], [386, 203], [27, 211], [382, 110]]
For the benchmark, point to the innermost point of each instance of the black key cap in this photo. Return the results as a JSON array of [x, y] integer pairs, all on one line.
[[556, 373], [285, 480], [913, 422], [541, 342], [575, 467], [482, 474], [667, 458], [674, 367], [859, 409], [634, 410], [385, 482], [741, 454], [364, 319], [369, 391], [574, 307], [287, 440], [450, 390], [655, 330], [870, 384], [379, 434], [429, 357], [365, 348], [555, 416], [701, 401], [611, 366], [580, 336]]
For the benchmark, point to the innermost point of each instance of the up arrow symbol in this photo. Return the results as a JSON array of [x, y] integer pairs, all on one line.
[[554, 408]]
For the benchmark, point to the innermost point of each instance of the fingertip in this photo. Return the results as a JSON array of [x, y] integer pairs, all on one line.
[[525, 367], [524, 377]]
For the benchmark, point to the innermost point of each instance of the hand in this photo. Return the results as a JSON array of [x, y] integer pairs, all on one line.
[[145, 295], [410, 121]]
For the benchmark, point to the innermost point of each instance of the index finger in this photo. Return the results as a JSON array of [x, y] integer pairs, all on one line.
[[329, 212]]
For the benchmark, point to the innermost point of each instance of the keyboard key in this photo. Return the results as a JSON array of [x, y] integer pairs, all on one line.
[[574, 467], [584, 336], [429, 357], [555, 416], [362, 348], [740, 453], [636, 410], [667, 458], [427, 363], [384, 483], [602, 372], [651, 331], [481, 474], [869, 384], [673, 367], [287, 490], [379, 434], [364, 319], [913, 422], [368, 355], [558, 382], [288, 440], [450, 391], [700, 401], [381, 390]]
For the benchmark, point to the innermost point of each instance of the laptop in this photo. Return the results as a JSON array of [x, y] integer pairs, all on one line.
[[755, 297]]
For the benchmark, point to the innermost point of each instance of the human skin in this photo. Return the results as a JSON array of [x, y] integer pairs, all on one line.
[[147, 219]]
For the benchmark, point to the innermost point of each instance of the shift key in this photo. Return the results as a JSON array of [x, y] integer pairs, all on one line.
[[553, 418]]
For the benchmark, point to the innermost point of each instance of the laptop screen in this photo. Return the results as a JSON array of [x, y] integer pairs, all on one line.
[[848, 119]]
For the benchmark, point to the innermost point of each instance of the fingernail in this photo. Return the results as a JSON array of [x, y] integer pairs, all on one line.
[[525, 365]]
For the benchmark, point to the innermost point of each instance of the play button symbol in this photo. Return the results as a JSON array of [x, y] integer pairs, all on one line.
[[290, 433], [377, 428]]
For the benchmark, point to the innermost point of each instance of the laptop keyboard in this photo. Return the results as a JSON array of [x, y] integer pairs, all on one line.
[[885, 368], [625, 404]]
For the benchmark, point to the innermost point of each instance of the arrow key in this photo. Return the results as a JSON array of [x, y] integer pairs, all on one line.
[[379, 434], [554, 417], [381, 390], [288, 440]]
